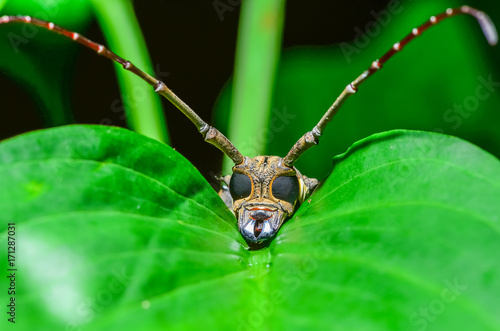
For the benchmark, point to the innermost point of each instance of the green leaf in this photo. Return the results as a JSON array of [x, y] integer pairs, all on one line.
[[117, 231], [25, 51], [91, 202], [402, 216], [2, 3]]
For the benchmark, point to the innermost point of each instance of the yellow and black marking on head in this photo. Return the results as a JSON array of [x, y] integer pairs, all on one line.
[[264, 193]]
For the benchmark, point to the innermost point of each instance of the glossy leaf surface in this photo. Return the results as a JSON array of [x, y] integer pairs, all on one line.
[[117, 231]]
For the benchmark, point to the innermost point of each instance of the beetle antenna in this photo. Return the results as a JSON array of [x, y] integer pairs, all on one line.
[[311, 138], [209, 133]]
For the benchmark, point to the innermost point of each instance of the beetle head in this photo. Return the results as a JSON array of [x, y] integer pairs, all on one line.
[[264, 193]]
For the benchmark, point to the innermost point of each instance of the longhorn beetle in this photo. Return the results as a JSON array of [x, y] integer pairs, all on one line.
[[265, 190]]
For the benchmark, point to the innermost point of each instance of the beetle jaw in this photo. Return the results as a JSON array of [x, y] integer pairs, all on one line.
[[259, 223]]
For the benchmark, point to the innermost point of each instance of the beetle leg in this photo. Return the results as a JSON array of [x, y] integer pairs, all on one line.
[[224, 193]]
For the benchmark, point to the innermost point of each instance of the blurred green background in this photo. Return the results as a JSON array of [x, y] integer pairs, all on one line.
[[192, 47]]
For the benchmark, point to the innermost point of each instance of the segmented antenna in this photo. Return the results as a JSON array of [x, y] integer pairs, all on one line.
[[209, 133], [311, 138]]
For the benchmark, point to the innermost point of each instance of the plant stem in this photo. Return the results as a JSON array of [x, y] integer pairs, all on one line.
[[121, 29], [257, 54]]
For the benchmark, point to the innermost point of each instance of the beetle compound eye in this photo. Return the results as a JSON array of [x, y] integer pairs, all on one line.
[[286, 188], [240, 186]]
